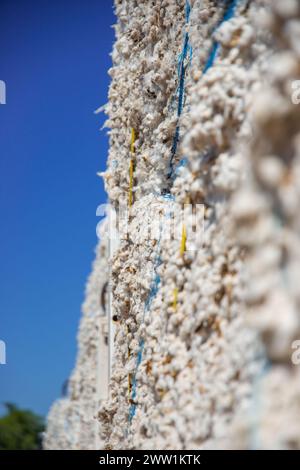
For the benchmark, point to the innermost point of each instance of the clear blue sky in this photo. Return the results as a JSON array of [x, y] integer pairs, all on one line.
[[54, 57]]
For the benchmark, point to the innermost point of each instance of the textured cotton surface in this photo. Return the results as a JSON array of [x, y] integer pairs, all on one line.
[[203, 328]]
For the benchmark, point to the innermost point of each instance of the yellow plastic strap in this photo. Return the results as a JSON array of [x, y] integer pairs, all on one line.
[[132, 149], [183, 241], [175, 297], [131, 167], [129, 385]]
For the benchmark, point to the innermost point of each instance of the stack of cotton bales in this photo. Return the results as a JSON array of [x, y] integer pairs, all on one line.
[[200, 116], [71, 420], [181, 78]]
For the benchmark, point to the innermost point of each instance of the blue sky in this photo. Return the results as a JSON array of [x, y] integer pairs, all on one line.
[[54, 58]]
